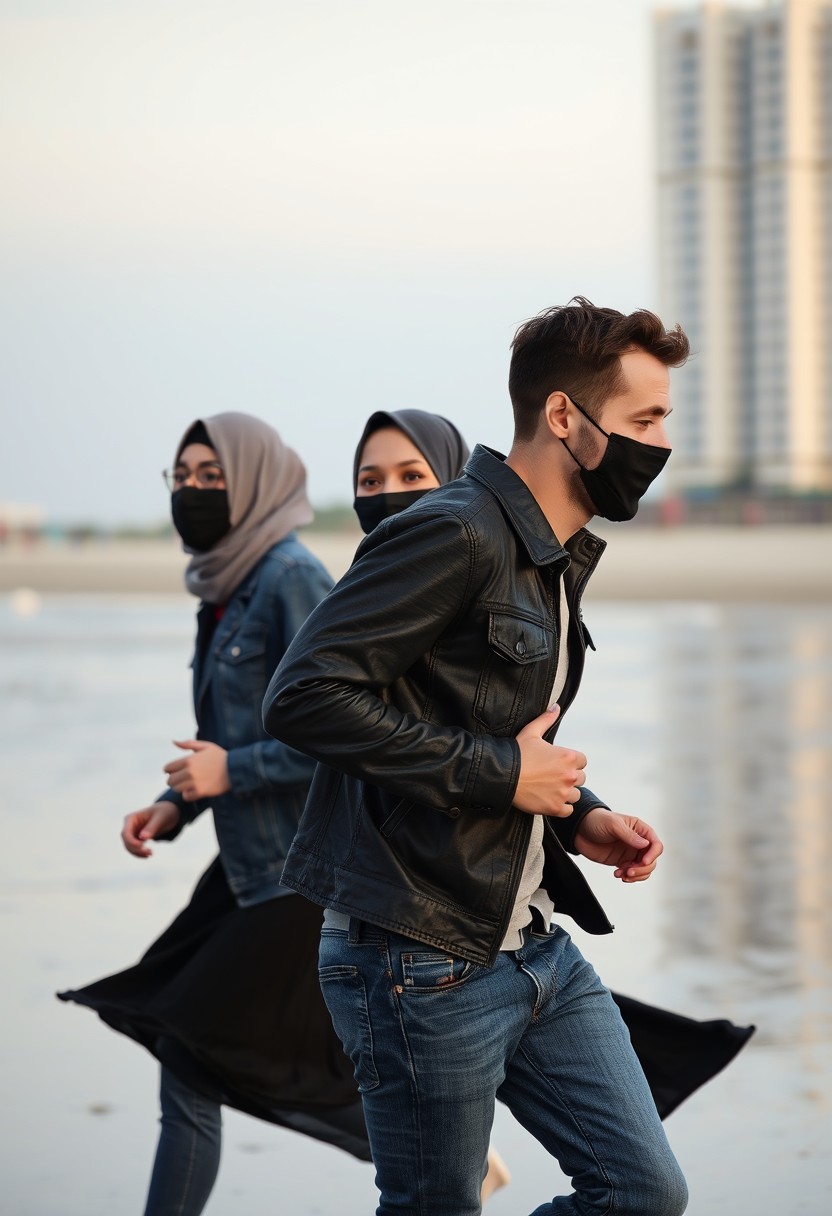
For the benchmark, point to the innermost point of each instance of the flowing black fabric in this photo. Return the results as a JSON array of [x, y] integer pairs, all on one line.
[[678, 1054], [437, 439], [228, 998]]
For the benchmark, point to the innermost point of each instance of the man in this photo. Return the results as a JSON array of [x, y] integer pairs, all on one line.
[[429, 684]]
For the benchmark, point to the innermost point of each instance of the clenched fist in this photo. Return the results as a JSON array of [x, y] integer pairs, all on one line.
[[550, 776]]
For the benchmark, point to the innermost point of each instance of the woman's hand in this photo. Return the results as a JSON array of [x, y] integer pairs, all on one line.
[[203, 774], [623, 841], [147, 824]]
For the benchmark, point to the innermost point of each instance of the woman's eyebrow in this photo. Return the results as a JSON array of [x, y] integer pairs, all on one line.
[[372, 468]]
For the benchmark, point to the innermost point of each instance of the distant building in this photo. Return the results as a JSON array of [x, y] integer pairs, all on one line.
[[744, 142]]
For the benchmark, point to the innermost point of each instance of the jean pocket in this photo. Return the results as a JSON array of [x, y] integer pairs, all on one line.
[[424, 971], [345, 995]]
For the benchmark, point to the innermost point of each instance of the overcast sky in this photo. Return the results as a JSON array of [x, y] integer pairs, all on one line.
[[306, 211]]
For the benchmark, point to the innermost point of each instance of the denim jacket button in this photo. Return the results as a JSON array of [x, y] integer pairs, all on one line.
[[235, 650]]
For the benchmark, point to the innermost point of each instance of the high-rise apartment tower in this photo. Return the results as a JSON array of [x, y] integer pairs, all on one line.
[[744, 141]]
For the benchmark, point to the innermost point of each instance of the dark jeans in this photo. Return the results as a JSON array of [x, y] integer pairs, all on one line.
[[436, 1040], [188, 1153]]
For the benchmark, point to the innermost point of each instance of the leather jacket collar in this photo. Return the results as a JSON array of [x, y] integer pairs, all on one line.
[[487, 466]]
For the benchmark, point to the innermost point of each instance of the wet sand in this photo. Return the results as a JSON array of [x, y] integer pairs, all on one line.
[[783, 565], [713, 721]]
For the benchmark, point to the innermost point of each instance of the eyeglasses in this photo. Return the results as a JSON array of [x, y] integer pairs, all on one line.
[[206, 476]]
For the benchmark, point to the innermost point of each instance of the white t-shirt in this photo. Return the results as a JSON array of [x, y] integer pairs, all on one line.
[[530, 894]]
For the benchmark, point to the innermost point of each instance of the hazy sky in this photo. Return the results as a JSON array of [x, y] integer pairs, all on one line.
[[306, 211]]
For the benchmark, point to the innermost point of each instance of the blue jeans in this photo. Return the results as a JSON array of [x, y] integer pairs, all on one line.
[[435, 1040], [188, 1153]]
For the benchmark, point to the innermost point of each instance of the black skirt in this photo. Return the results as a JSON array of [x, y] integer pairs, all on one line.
[[228, 999], [678, 1054]]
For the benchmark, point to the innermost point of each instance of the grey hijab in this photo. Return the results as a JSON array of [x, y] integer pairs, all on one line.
[[437, 439], [266, 495]]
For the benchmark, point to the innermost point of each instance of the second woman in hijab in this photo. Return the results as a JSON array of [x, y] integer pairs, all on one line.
[[400, 456]]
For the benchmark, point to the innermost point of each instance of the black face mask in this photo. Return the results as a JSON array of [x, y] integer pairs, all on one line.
[[373, 508], [201, 517], [626, 469]]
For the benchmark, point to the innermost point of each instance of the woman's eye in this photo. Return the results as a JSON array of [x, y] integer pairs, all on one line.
[[369, 483], [179, 478], [211, 479], [413, 476]]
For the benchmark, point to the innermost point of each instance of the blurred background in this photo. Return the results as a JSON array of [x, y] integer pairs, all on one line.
[[309, 212]]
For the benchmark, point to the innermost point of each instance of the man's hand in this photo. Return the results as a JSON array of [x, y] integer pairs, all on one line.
[[623, 841], [550, 776], [203, 774], [147, 824]]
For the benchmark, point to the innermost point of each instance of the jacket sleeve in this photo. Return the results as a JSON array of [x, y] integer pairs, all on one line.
[[188, 811], [268, 764], [331, 694], [567, 829]]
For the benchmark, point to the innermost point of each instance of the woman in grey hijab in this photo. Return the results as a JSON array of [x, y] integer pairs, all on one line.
[[228, 999]]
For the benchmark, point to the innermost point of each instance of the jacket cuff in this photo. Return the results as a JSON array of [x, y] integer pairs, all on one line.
[[243, 775], [586, 803], [188, 811], [494, 774], [266, 767]]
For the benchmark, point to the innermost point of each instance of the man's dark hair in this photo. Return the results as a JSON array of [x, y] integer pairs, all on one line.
[[576, 348]]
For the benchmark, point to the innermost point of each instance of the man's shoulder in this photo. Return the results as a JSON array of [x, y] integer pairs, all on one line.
[[462, 508], [465, 498]]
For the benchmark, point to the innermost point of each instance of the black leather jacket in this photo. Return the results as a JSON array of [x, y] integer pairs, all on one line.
[[408, 683]]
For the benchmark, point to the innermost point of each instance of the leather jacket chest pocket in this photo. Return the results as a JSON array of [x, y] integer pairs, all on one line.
[[516, 648]]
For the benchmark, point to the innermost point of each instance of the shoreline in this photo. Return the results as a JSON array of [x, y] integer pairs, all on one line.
[[775, 564]]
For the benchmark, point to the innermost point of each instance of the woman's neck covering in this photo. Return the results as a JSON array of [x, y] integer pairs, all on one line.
[[437, 439], [266, 483]]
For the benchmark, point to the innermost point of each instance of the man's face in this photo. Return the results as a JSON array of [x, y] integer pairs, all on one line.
[[639, 412]]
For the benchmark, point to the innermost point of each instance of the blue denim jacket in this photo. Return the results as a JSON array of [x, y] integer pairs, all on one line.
[[256, 820]]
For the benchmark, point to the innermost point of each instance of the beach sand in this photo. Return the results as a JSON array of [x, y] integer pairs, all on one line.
[[783, 565], [713, 721]]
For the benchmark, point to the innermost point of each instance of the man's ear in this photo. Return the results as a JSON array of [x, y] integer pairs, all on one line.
[[556, 414]]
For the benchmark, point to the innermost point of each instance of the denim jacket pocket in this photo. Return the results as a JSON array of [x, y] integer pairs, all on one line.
[[242, 648], [240, 668]]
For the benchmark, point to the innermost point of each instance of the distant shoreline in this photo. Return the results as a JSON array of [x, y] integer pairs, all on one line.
[[774, 564]]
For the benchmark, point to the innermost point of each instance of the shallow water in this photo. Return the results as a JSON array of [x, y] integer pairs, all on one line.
[[713, 722]]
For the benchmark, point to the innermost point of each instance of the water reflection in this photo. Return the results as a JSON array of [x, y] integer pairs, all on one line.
[[713, 723], [745, 713]]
